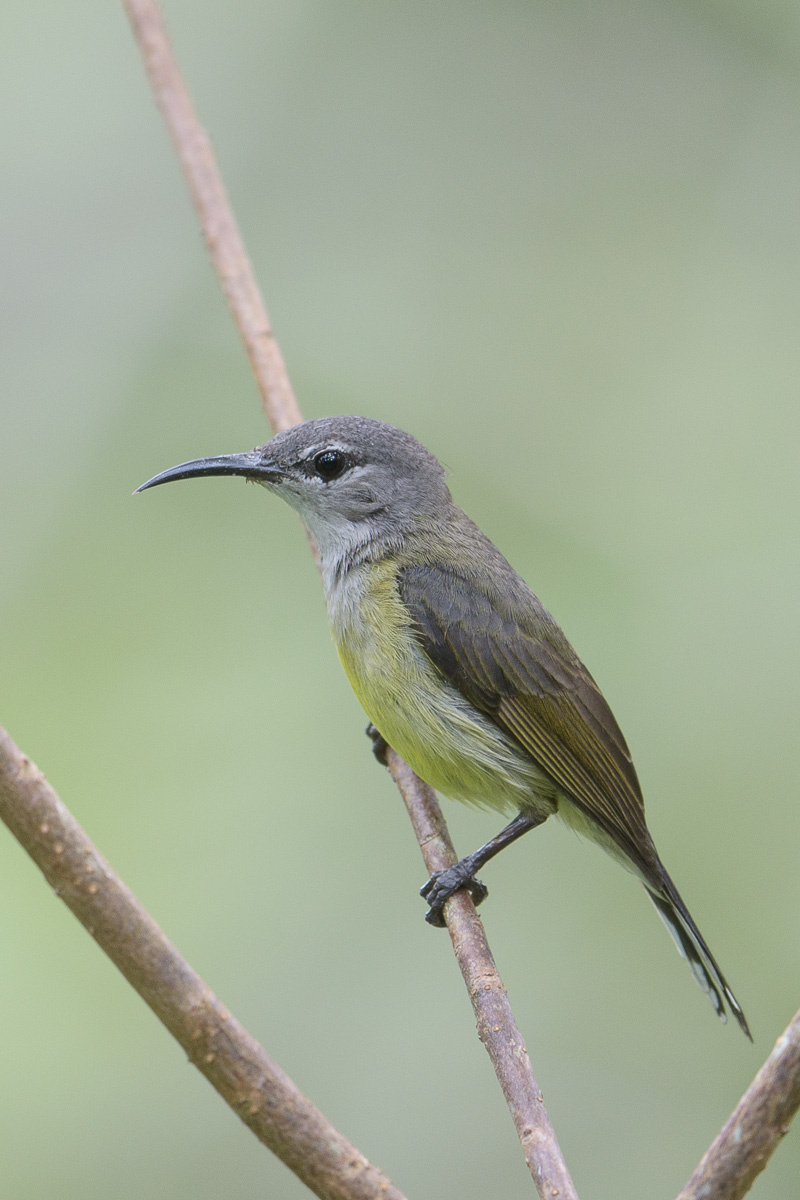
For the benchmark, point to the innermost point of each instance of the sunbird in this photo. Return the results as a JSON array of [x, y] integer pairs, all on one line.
[[458, 665]]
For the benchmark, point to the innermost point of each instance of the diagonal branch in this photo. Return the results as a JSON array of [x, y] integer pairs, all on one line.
[[230, 1058], [214, 212], [497, 1027], [495, 1021], [489, 1001], [746, 1142]]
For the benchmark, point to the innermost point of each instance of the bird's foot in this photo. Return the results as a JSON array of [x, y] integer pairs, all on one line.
[[442, 884], [379, 744]]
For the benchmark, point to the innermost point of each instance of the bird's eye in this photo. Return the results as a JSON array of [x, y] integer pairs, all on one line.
[[330, 463]]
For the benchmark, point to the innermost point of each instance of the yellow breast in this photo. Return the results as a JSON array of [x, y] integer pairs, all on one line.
[[447, 741]]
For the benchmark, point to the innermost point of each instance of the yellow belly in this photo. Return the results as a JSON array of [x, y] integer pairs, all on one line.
[[447, 741]]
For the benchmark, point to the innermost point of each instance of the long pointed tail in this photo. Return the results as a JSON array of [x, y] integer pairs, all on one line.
[[689, 940]]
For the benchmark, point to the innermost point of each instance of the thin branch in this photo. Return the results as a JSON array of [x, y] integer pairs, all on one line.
[[749, 1137], [215, 214], [233, 1062], [497, 1028], [496, 1025]]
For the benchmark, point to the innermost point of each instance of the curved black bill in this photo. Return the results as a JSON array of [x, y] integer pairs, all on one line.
[[252, 464]]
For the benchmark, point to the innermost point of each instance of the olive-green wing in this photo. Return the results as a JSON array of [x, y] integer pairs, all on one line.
[[495, 642]]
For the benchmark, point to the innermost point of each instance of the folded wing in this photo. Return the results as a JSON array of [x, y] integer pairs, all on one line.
[[507, 655]]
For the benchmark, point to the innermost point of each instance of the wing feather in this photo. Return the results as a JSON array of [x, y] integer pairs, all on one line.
[[506, 654]]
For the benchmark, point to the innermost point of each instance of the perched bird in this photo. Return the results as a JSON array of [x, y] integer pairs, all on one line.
[[456, 662]]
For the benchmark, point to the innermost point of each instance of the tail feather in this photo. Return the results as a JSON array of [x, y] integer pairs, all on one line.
[[690, 943]]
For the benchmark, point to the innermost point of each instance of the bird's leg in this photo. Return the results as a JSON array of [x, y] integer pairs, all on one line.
[[442, 884], [379, 744]]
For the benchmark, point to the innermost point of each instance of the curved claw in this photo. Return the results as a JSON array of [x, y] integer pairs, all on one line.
[[441, 886], [379, 743]]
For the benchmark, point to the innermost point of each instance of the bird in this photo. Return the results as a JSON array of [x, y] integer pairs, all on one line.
[[458, 665]]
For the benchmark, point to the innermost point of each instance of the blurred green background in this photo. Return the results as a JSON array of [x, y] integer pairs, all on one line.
[[559, 243]]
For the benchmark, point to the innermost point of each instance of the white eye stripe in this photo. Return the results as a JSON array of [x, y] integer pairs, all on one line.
[[323, 448]]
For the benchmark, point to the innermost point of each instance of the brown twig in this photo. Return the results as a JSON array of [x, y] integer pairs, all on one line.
[[751, 1134], [497, 1028], [214, 212], [238, 1067], [493, 1014]]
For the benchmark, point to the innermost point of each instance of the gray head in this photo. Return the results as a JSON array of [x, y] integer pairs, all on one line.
[[354, 481]]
